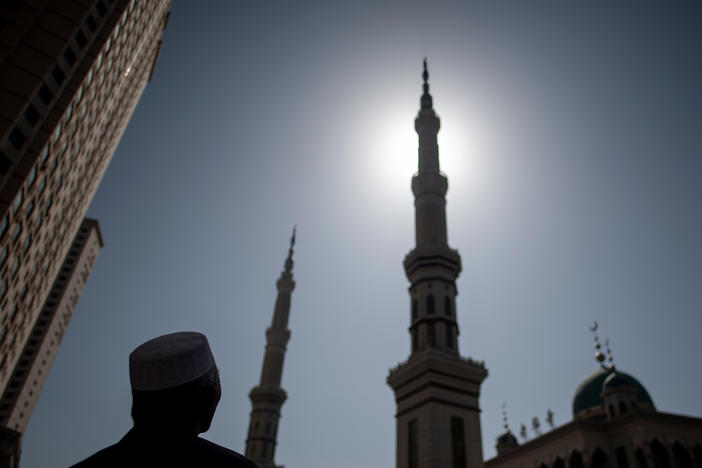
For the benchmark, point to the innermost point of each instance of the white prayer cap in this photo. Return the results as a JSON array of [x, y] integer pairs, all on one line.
[[170, 360]]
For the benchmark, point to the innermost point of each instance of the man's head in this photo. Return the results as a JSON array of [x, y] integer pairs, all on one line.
[[175, 383]]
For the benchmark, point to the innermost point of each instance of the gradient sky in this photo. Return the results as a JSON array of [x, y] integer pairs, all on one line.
[[572, 140]]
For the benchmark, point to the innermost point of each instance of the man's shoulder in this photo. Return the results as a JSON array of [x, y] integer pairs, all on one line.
[[106, 457], [135, 452], [222, 455]]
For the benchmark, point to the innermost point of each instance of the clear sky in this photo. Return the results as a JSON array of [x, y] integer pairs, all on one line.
[[572, 140]]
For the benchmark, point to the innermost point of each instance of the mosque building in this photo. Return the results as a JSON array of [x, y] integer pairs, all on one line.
[[615, 422]]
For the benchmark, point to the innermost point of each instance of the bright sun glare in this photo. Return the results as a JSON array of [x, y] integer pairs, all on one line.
[[395, 154]]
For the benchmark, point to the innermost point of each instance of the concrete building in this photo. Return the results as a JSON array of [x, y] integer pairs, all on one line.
[[436, 390], [71, 74], [268, 396], [615, 425], [9, 447], [29, 375]]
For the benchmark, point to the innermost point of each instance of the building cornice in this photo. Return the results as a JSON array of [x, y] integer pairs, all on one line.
[[604, 427]]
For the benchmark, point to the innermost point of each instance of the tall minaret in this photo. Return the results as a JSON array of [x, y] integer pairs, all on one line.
[[438, 418], [268, 397]]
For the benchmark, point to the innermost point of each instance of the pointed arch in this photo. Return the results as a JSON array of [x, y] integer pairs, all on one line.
[[449, 335], [431, 334], [412, 448], [697, 454], [640, 458], [622, 407], [681, 456], [575, 460], [660, 455], [599, 459], [458, 443]]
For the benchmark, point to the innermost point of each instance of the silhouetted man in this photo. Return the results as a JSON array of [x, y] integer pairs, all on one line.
[[175, 389]]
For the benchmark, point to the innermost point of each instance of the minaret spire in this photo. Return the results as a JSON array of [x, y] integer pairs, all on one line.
[[289, 260], [438, 419], [268, 397], [432, 267], [426, 101]]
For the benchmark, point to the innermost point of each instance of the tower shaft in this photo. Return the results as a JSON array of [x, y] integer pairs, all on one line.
[[436, 390], [268, 396]]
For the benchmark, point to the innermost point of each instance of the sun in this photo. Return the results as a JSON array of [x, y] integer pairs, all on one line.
[[461, 152], [394, 157]]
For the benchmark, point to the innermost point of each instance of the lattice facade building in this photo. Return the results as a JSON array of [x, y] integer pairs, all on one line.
[[29, 375], [71, 74]]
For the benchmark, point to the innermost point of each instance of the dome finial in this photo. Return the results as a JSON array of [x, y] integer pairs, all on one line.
[[610, 358], [426, 100], [504, 417], [506, 442], [598, 355]]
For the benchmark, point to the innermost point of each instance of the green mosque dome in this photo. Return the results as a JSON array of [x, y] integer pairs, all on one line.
[[507, 439], [589, 392]]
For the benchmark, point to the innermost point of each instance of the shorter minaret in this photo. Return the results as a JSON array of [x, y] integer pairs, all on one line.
[[268, 397]]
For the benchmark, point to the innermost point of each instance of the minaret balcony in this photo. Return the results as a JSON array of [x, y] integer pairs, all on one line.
[[272, 395], [429, 182], [431, 369], [436, 262], [277, 337], [433, 318], [285, 283], [427, 118]]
